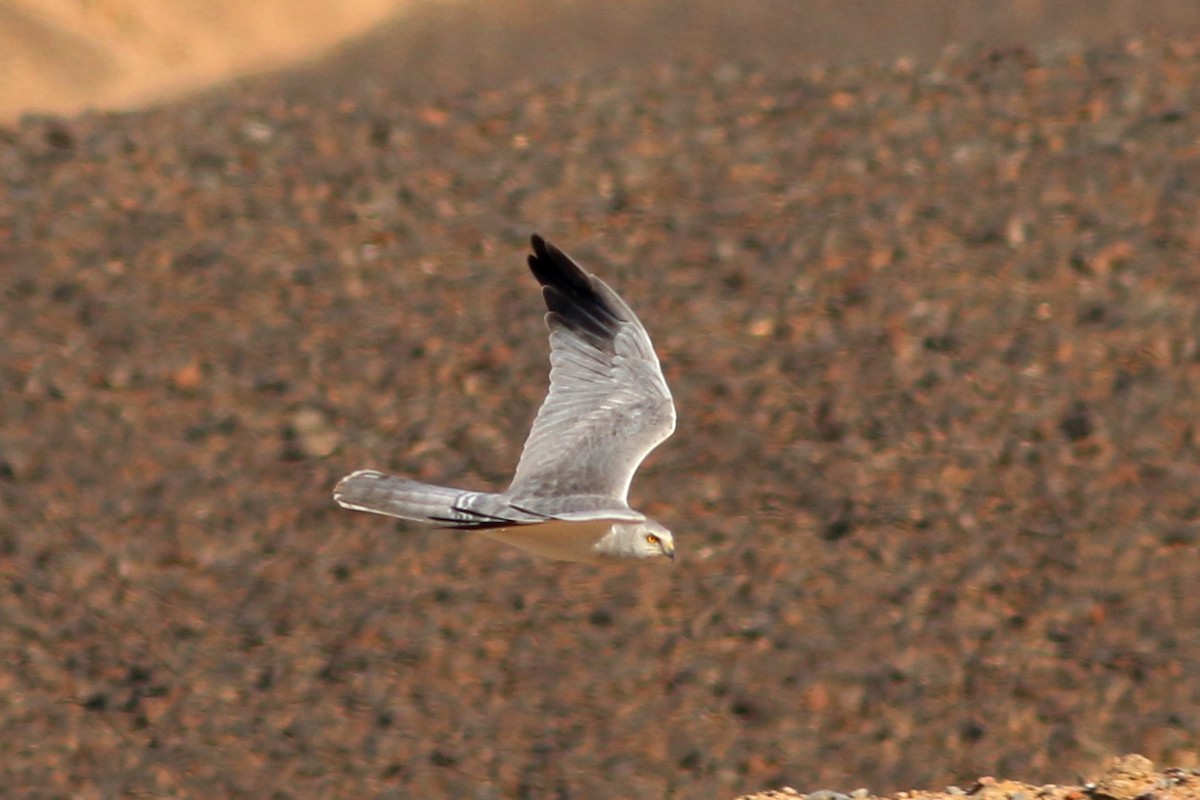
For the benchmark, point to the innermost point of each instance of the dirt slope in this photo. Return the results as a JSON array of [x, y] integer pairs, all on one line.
[[65, 55], [932, 330]]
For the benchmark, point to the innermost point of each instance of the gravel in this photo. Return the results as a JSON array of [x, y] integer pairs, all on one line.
[[934, 334]]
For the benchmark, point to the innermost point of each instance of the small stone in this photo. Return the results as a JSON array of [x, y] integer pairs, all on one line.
[[310, 435]]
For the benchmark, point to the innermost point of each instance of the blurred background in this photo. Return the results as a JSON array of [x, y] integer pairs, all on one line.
[[923, 280], [69, 55]]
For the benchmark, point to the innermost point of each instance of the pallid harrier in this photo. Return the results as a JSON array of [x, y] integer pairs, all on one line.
[[607, 408]]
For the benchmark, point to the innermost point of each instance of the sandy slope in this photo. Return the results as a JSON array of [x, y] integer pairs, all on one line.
[[66, 55]]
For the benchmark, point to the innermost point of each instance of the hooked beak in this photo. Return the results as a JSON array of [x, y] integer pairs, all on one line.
[[668, 550]]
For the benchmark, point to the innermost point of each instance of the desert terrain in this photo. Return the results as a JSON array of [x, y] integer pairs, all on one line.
[[925, 288]]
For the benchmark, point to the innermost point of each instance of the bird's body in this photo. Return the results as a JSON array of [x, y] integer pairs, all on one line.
[[607, 408]]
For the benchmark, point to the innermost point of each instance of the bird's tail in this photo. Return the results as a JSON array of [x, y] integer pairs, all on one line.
[[424, 503]]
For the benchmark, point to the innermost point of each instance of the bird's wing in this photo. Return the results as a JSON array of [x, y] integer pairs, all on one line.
[[608, 404]]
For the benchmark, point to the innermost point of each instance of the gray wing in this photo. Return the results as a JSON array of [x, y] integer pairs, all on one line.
[[608, 404]]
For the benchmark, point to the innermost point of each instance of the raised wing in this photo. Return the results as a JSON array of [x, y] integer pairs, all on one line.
[[608, 404]]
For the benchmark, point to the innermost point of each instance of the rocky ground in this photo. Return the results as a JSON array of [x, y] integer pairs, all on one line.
[[934, 333], [1127, 778]]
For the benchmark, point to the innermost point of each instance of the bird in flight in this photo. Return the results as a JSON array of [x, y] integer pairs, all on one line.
[[607, 408]]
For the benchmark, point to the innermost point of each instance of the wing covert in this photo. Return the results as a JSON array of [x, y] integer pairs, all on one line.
[[608, 404]]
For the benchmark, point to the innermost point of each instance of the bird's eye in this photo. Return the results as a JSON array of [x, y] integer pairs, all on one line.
[[651, 538]]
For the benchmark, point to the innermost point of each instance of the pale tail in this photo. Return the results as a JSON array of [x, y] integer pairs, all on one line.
[[424, 503]]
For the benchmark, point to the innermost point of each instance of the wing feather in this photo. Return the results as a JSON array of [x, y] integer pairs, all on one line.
[[608, 404]]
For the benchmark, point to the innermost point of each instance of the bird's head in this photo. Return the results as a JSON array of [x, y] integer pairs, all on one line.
[[657, 540], [645, 539]]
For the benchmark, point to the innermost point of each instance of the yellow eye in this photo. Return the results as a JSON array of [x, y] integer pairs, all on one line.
[[651, 538]]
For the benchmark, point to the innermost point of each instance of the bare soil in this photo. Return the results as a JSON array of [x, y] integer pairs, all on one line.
[[932, 324]]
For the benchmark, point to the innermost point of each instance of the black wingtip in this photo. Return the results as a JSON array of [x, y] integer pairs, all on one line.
[[539, 254], [553, 267], [568, 291]]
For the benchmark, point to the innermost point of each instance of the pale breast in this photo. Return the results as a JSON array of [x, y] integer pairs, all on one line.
[[556, 539]]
